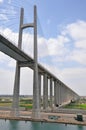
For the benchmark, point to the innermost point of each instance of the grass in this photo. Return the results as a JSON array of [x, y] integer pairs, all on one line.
[[27, 106], [5, 104], [25, 103], [76, 106]]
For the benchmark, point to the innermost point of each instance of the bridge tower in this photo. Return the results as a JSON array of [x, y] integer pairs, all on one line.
[[36, 100]]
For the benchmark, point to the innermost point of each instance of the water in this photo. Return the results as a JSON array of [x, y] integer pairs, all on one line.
[[22, 125]]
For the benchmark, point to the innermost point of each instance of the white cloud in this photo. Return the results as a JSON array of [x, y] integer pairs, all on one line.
[[26, 84], [76, 30], [62, 50], [55, 46], [6, 81], [42, 47], [1, 1], [75, 79], [4, 59], [79, 56], [8, 33], [46, 47], [52, 47], [3, 17], [81, 44]]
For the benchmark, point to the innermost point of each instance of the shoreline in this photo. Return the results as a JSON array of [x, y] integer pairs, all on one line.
[[62, 118], [43, 121]]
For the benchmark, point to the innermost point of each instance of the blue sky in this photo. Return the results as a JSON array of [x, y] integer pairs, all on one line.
[[54, 14], [61, 40]]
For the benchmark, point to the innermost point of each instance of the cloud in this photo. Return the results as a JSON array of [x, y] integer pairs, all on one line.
[[46, 47], [4, 59], [9, 34], [79, 56], [1, 1], [81, 44], [7, 14], [75, 79], [26, 84], [7, 81], [3, 17], [68, 47], [55, 45], [76, 30], [76, 33]]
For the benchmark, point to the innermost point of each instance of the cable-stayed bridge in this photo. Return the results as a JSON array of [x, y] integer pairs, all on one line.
[[62, 93]]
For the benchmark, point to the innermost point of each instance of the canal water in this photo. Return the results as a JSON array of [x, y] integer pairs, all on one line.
[[22, 125]]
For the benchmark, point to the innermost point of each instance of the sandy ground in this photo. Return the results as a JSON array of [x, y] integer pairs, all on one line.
[[62, 118]]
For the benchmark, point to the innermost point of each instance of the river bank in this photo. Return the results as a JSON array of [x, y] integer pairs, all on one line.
[[62, 118]]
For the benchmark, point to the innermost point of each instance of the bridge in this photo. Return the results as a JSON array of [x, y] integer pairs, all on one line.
[[62, 93]]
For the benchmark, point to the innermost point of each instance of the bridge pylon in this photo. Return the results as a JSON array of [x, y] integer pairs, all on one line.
[[36, 100]]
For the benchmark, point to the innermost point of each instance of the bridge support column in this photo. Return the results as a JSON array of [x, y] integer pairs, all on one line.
[[55, 93], [45, 92], [68, 95], [51, 94], [61, 94], [60, 98], [39, 77], [65, 95], [36, 100], [15, 104]]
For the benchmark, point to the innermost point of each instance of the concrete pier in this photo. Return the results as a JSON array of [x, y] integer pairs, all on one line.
[[15, 104], [51, 93], [57, 94], [36, 100], [45, 92], [39, 78], [55, 82]]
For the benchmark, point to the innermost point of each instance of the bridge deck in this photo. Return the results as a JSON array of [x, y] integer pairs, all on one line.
[[25, 60], [14, 52]]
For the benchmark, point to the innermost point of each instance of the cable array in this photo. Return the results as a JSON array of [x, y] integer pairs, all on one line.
[[9, 27]]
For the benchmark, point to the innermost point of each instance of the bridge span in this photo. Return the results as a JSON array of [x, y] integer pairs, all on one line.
[[62, 93]]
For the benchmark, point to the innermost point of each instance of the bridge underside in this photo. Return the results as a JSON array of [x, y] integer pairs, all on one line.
[[62, 93]]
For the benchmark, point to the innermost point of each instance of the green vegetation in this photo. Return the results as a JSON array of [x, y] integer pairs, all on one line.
[[80, 104], [26, 103], [76, 106], [23, 102]]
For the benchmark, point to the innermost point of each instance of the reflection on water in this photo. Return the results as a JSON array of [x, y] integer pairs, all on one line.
[[22, 125], [35, 126], [80, 127], [13, 125]]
